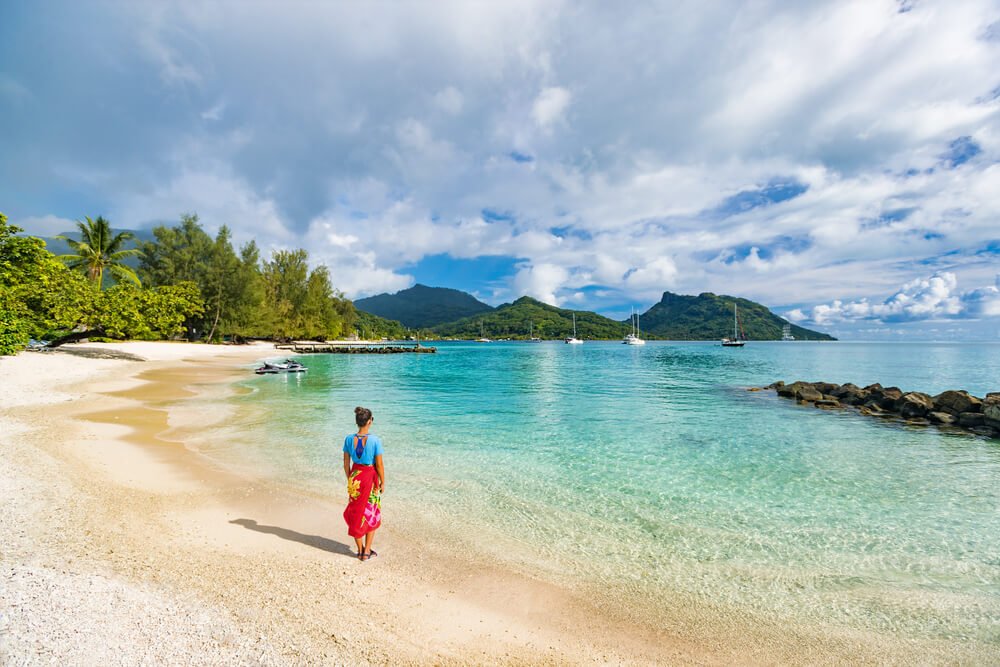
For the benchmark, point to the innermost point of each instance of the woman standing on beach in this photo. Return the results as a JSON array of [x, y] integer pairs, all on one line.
[[365, 483]]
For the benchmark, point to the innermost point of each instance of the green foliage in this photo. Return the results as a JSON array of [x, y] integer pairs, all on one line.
[[516, 320], [301, 303], [126, 311], [373, 327], [13, 325], [710, 317], [100, 250], [423, 307]]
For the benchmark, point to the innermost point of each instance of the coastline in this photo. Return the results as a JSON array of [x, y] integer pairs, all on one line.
[[160, 550], [179, 558]]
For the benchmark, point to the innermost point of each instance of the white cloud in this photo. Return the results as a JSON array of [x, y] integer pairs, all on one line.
[[449, 100], [933, 298], [378, 135], [541, 281], [46, 225], [550, 105]]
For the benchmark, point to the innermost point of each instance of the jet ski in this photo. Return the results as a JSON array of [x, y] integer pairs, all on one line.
[[290, 366]]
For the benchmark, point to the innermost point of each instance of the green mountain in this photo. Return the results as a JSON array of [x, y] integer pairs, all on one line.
[[423, 307], [709, 316], [515, 320]]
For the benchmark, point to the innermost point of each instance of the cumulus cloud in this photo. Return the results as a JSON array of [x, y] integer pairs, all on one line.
[[933, 298], [828, 139], [550, 105], [541, 281]]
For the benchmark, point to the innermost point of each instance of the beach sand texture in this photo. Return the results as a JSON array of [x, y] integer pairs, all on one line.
[[122, 546]]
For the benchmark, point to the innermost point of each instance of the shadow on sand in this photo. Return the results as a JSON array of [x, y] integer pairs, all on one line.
[[315, 541]]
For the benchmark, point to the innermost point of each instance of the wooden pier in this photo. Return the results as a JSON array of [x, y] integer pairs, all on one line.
[[350, 347]]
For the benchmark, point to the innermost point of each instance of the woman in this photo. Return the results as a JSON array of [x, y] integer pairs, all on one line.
[[365, 483]]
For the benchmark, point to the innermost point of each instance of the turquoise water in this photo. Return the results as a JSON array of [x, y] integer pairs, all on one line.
[[651, 471]]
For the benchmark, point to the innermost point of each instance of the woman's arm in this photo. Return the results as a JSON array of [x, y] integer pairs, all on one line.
[[347, 465], [381, 472]]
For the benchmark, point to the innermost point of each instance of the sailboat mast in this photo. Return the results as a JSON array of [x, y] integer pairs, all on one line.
[[736, 335]]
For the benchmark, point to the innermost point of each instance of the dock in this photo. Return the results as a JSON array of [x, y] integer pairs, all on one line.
[[351, 347]]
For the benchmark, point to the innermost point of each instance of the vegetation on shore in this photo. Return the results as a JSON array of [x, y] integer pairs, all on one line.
[[185, 283]]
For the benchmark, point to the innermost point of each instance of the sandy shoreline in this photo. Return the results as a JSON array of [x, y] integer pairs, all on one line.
[[118, 537], [120, 545]]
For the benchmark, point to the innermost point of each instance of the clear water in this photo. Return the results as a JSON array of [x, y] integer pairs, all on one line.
[[652, 471]]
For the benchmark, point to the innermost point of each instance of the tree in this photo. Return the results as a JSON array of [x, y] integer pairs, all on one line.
[[99, 250], [179, 253], [38, 293], [221, 289], [285, 288]]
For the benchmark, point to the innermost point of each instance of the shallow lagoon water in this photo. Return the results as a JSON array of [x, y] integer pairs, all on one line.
[[652, 471]]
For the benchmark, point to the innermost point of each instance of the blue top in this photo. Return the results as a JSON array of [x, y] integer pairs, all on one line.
[[373, 448]]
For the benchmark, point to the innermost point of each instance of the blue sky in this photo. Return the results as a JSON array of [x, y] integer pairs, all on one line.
[[838, 161]]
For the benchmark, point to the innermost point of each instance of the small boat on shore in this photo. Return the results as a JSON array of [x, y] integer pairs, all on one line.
[[290, 366]]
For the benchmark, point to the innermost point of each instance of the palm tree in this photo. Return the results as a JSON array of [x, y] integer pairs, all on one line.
[[98, 250]]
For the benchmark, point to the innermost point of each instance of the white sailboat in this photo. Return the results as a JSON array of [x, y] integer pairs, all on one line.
[[482, 337], [531, 333], [633, 338], [736, 340], [573, 340]]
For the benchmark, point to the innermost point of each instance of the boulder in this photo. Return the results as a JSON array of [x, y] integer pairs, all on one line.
[[942, 417], [828, 402], [913, 404], [991, 410], [873, 387], [971, 419], [956, 402], [808, 393], [825, 387], [855, 396], [889, 396], [776, 385], [845, 389], [803, 391]]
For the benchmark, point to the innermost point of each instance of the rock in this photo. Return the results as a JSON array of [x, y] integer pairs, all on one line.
[[854, 396], [913, 404], [873, 387], [800, 390], [808, 393], [889, 396], [991, 410], [825, 387], [756, 388], [918, 421], [776, 385], [942, 417], [828, 403], [971, 419], [845, 389], [956, 402]]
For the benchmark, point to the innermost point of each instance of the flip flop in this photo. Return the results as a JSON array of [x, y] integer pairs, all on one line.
[[371, 554]]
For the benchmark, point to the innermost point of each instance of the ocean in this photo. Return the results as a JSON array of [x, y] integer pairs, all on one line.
[[652, 474]]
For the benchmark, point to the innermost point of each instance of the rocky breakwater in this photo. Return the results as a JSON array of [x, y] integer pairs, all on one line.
[[952, 408]]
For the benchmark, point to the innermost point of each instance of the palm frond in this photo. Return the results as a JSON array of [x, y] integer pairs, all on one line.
[[120, 271]]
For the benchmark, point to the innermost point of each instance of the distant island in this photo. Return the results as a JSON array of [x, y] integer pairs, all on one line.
[[451, 313]]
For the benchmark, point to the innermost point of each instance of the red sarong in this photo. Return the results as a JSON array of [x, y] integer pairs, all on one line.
[[364, 509]]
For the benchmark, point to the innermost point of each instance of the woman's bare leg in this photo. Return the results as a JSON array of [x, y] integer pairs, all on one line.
[[369, 538]]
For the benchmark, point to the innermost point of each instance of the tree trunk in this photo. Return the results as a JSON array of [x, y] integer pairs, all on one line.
[[77, 335]]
